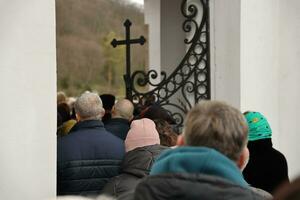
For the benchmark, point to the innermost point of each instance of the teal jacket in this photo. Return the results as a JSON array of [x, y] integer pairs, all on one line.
[[198, 160]]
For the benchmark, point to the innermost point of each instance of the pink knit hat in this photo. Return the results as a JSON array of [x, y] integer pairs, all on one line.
[[142, 133]]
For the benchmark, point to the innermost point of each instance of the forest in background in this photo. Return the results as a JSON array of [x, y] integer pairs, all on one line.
[[85, 58]]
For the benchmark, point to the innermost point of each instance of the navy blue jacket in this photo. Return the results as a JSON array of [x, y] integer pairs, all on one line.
[[87, 158], [118, 126]]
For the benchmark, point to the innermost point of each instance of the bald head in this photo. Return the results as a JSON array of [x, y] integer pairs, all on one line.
[[89, 107], [123, 109]]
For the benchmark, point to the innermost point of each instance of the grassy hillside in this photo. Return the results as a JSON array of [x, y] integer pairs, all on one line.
[[85, 58]]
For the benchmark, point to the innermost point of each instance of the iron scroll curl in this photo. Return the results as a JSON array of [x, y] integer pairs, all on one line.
[[190, 81], [191, 78]]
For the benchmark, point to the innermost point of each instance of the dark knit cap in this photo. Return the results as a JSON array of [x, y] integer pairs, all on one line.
[[108, 101]]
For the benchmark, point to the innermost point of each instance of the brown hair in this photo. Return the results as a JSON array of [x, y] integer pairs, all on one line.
[[216, 125], [166, 134]]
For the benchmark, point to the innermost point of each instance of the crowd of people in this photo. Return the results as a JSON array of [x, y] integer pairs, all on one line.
[[108, 150]]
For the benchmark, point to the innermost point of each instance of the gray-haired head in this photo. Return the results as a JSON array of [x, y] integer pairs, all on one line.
[[88, 106], [216, 125], [123, 109]]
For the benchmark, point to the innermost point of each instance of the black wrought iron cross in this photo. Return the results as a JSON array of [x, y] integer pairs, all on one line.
[[128, 43]]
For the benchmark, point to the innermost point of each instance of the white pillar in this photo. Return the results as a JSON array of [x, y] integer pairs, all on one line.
[[172, 35], [166, 45], [166, 39], [225, 50], [255, 64], [28, 100], [288, 83], [153, 19], [259, 60]]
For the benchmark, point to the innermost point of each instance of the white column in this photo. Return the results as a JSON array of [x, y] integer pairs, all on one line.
[[225, 50], [289, 83], [153, 19], [259, 60], [172, 35], [166, 45], [28, 100], [255, 64], [166, 38]]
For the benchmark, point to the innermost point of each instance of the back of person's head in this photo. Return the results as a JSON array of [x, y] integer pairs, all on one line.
[[108, 101], [142, 133], [157, 112], [59, 120], [61, 97], [166, 134], [259, 127], [123, 109], [288, 191], [88, 106], [216, 125], [64, 110]]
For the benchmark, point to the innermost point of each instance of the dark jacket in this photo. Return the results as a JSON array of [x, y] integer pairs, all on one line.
[[87, 158], [267, 168], [194, 173], [118, 126], [191, 187], [135, 166]]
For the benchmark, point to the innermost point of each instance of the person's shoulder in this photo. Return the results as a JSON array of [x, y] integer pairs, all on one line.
[[262, 193], [112, 137], [193, 185], [278, 154]]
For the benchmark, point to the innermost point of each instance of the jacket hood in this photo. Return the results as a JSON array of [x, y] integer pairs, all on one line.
[[191, 186], [138, 162], [198, 160]]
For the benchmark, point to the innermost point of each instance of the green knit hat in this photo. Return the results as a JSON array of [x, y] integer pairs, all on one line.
[[259, 127]]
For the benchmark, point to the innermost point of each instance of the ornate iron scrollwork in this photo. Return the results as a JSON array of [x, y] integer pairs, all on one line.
[[191, 78]]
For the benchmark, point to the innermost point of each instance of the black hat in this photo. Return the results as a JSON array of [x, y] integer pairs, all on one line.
[[108, 101]]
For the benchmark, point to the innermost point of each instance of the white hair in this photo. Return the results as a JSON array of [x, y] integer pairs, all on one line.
[[89, 106]]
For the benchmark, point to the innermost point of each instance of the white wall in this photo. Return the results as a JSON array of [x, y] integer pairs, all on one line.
[[255, 60], [260, 61], [153, 19], [166, 46], [172, 35], [28, 98], [289, 83], [225, 50]]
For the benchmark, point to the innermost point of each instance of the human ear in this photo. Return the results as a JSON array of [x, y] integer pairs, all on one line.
[[180, 140]]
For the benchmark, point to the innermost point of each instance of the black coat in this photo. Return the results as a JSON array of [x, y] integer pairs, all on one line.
[[87, 158], [190, 187], [118, 126], [136, 165], [267, 167]]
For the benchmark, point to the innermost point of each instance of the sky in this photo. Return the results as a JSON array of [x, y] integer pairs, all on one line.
[[138, 1]]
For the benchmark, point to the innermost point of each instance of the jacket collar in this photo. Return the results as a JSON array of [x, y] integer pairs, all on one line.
[[260, 145], [198, 160], [87, 124], [139, 161], [118, 120]]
